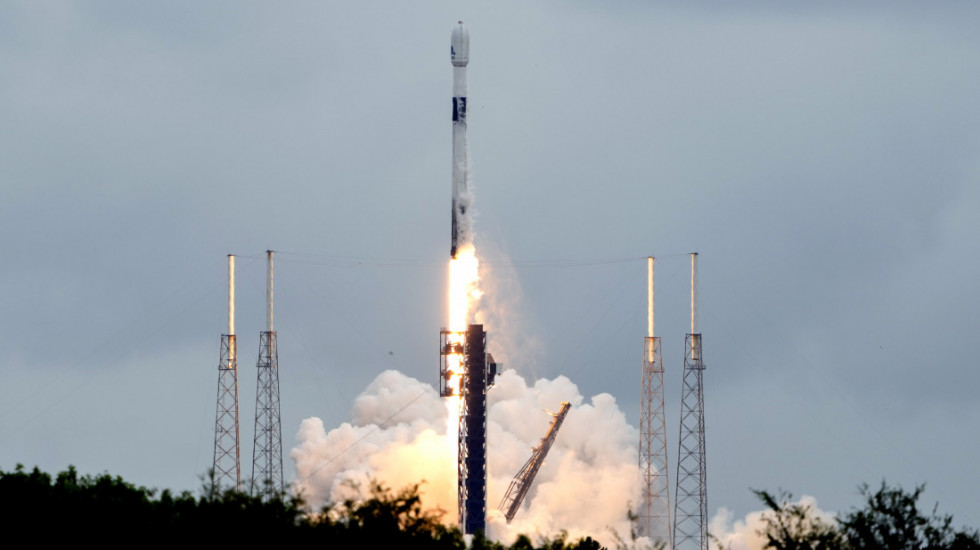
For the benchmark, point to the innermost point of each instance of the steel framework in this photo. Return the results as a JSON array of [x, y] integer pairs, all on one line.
[[227, 460], [227, 467], [691, 511], [478, 372], [654, 512], [522, 481], [691, 498], [267, 446]]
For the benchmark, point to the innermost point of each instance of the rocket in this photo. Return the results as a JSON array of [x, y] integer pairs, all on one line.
[[459, 54]]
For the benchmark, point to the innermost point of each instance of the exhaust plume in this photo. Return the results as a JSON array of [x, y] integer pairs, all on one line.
[[398, 436]]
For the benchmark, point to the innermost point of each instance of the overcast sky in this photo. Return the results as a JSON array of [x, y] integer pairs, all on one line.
[[822, 159]]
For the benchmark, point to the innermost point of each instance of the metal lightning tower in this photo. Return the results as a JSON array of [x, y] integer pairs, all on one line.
[[654, 513], [469, 350], [691, 498], [267, 446], [227, 457]]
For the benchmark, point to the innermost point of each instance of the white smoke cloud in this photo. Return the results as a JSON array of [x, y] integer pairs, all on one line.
[[398, 436], [745, 534]]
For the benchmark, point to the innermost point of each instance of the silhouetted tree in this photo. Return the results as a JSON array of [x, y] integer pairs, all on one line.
[[386, 519], [795, 526], [109, 508], [891, 520], [104, 504]]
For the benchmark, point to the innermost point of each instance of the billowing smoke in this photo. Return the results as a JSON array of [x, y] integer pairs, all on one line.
[[397, 435], [745, 534]]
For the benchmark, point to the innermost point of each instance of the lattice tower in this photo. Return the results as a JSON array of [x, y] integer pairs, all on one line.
[[267, 446], [227, 469], [691, 497], [654, 512]]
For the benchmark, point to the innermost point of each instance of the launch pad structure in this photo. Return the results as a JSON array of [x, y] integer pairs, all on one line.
[[521, 484], [476, 375]]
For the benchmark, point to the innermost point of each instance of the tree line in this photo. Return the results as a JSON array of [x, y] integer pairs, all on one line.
[[890, 519], [69, 506], [106, 508]]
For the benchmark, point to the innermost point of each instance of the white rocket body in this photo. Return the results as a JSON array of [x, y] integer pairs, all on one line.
[[460, 57]]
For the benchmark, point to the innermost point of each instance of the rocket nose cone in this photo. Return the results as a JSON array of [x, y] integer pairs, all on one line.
[[459, 51]]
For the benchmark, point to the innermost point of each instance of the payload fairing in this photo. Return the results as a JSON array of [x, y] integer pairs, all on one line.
[[459, 54]]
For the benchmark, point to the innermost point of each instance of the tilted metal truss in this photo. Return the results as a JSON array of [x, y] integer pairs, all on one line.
[[522, 481]]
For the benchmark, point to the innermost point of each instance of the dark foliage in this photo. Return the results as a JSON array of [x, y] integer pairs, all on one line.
[[397, 520], [108, 509], [385, 520], [889, 520], [796, 526]]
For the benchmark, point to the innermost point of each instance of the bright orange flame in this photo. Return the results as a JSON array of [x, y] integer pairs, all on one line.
[[464, 293], [464, 289]]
